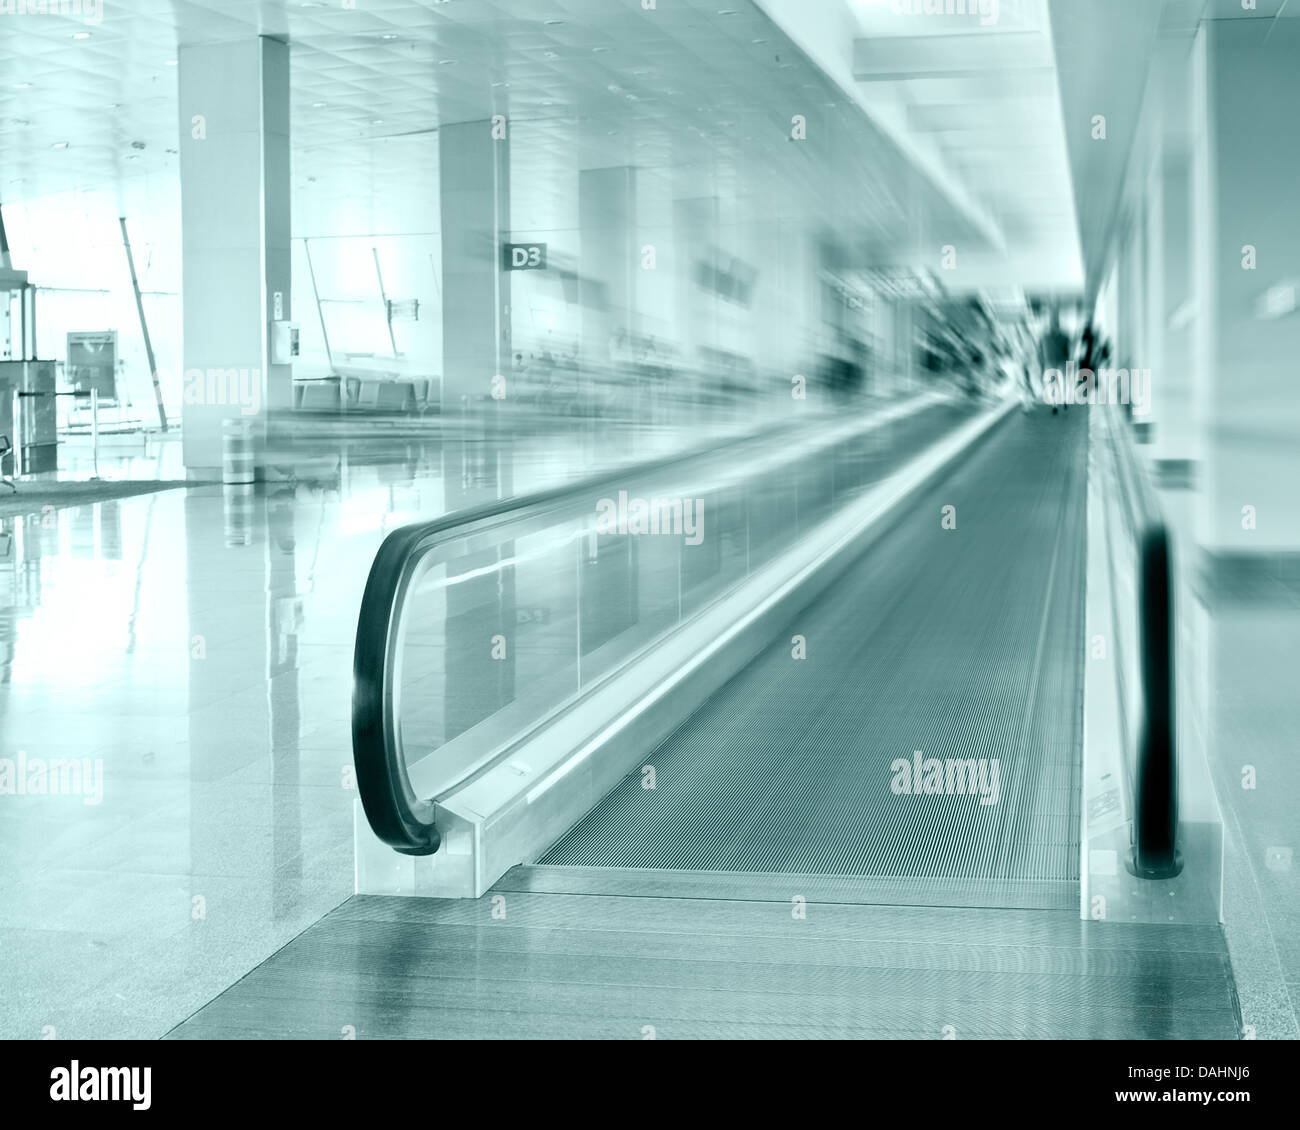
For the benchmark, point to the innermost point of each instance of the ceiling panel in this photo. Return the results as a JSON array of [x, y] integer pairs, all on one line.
[[706, 90], [982, 90]]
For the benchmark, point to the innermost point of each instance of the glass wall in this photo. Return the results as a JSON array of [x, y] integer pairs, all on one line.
[[71, 248]]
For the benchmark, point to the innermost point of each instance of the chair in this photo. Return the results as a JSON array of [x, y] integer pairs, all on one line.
[[6, 448]]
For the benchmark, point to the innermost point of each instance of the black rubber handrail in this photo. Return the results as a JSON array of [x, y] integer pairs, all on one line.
[[400, 818], [1154, 853], [397, 815]]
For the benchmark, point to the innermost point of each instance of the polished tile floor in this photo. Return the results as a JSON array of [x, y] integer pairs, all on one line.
[[191, 650]]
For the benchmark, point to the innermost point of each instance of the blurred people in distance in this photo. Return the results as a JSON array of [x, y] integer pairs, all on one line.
[[1054, 347]]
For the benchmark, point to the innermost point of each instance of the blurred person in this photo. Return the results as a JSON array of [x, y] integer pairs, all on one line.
[[1088, 347], [1053, 354], [1090, 357], [973, 369], [1096, 349]]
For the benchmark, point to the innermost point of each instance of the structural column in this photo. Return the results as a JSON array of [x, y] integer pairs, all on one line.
[[609, 264], [480, 622], [474, 175], [1127, 344], [771, 320], [1171, 372], [1246, 166], [695, 241], [235, 230]]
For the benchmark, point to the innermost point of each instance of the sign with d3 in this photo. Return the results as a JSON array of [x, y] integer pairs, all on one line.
[[524, 256]]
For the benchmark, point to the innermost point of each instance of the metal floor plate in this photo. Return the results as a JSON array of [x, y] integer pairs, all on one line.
[[520, 964]]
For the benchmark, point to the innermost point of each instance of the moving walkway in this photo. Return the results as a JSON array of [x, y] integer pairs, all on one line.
[[649, 787]]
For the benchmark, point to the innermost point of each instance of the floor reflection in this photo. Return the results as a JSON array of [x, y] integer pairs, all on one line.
[[199, 643]]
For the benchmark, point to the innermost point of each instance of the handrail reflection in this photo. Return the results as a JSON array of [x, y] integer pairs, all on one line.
[[1155, 765]]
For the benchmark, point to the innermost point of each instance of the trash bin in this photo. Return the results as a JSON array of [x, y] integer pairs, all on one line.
[[238, 464]]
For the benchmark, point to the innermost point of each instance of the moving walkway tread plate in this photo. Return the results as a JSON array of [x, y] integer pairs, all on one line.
[[603, 966], [961, 643]]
